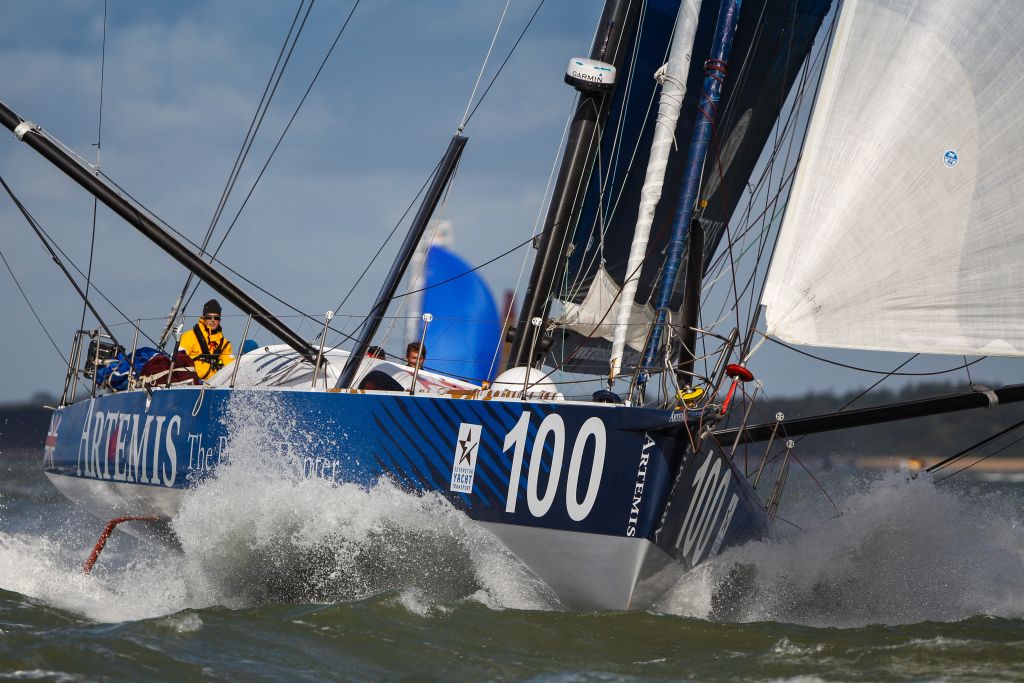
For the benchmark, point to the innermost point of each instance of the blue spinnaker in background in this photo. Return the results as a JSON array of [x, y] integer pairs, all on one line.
[[465, 334]]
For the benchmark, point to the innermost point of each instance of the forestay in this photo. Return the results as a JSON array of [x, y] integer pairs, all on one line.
[[903, 232]]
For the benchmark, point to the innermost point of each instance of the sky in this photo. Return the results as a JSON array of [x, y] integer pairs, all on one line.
[[181, 82]]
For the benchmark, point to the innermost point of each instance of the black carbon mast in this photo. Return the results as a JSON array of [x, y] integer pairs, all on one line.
[[618, 22], [445, 170], [32, 135]]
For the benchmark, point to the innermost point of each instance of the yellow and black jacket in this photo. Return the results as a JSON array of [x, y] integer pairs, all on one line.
[[211, 352]]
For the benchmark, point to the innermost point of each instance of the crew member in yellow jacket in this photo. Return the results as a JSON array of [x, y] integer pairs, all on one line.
[[205, 342]]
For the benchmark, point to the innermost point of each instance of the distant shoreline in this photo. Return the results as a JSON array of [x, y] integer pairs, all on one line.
[[892, 462], [23, 427]]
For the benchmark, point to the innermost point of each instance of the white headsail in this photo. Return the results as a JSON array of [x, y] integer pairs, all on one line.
[[905, 228]]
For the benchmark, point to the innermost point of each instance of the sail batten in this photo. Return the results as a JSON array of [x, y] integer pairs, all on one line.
[[903, 231]]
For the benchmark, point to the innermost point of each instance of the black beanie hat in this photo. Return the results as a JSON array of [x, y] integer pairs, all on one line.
[[211, 306]]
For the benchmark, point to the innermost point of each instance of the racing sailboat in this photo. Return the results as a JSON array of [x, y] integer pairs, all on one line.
[[607, 500]]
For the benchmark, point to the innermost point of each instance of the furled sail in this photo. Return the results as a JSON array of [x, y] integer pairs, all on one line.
[[903, 231], [771, 43], [672, 77]]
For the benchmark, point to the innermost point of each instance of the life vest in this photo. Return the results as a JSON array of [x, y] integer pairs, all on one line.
[[210, 351]]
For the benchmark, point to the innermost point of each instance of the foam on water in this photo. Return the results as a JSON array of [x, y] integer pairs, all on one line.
[[263, 530], [901, 552], [50, 569]]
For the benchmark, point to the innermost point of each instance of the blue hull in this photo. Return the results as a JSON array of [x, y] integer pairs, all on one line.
[[536, 473]]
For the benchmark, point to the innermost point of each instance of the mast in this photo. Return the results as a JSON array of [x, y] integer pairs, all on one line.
[[673, 89], [618, 21], [32, 135], [690, 315], [714, 70], [419, 225]]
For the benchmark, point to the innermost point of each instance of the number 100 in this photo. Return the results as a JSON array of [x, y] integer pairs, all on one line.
[[552, 426]]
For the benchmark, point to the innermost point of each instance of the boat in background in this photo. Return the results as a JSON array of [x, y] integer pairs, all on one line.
[[463, 337], [608, 500]]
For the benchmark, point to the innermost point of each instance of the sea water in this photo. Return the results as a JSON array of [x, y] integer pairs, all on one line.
[[285, 577]]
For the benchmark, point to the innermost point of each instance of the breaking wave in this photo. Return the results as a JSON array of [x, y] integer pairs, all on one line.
[[900, 552], [262, 530]]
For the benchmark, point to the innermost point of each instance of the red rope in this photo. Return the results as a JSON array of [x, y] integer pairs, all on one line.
[[109, 529]]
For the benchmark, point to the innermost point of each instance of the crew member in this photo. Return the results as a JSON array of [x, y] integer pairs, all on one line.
[[205, 342], [415, 354]]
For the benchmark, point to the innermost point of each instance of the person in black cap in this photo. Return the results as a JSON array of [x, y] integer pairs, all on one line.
[[205, 342]]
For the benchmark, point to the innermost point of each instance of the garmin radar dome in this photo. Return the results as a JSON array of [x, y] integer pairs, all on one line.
[[590, 75]]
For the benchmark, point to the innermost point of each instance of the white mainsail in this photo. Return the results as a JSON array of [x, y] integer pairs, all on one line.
[[904, 229]]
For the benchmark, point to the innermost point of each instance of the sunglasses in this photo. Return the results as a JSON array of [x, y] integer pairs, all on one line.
[[211, 317]]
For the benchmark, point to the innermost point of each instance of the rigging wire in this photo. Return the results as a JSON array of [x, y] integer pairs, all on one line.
[[871, 371], [502, 66], [603, 217], [143, 208], [99, 147], [784, 140], [439, 211], [467, 272], [31, 219], [846, 405], [387, 239], [280, 139], [984, 458], [32, 308], [269, 90], [581, 187], [571, 290], [830, 35], [970, 449], [55, 258], [579, 282], [466, 119], [483, 67], [747, 287], [49, 239], [306, 317], [785, 136], [545, 198]]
